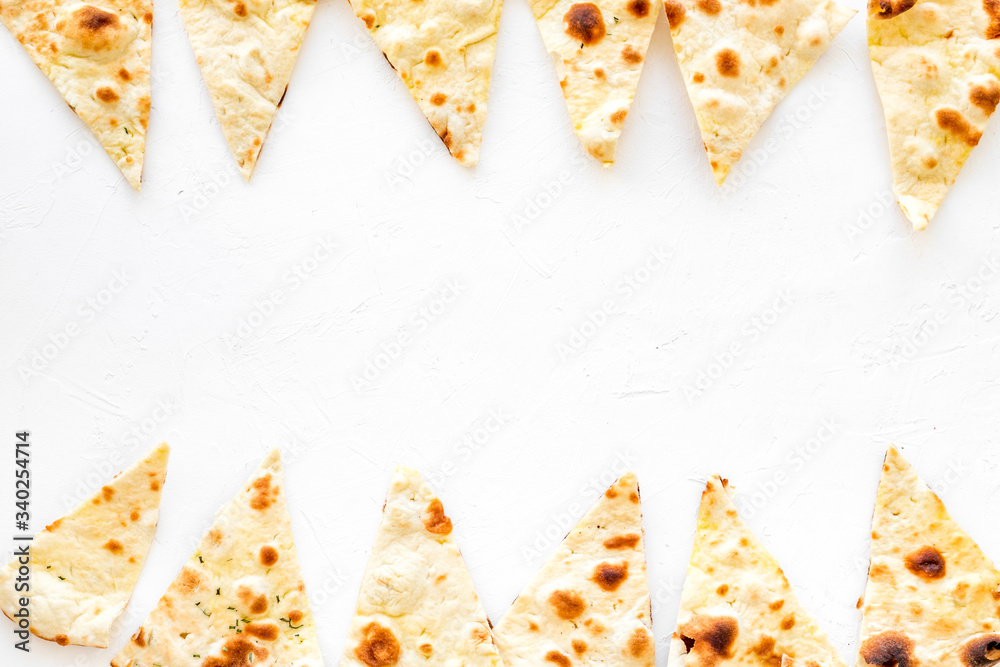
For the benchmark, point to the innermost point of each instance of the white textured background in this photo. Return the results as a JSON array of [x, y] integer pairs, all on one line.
[[875, 341]]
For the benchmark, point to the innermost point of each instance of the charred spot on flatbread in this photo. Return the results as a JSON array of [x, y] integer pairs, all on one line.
[[639, 643], [263, 493], [568, 605], [638, 8], [263, 630], [712, 638], [727, 62], [610, 576], [628, 541], [983, 651], [237, 651], [585, 23], [992, 9], [889, 649], [378, 647], [268, 555], [558, 658], [887, 9], [986, 96], [675, 12], [926, 562], [630, 55], [94, 30], [956, 124], [434, 517]]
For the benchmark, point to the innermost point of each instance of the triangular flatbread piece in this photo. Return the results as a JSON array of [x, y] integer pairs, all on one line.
[[739, 58], [933, 597], [417, 604], [246, 50], [97, 54], [936, 67], [85, 565], [737, 607], [589, 603], [444, 52], [599, 49], [240, 600]]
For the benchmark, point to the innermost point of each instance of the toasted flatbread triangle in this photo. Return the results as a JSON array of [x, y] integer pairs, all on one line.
[[417, 604], [444, 52], [240, 600], [246, 50], [737, 607], [933, 597], [97, 55], [85, 565], [599, 49], [936, 66], [589, 603], [739, 58]]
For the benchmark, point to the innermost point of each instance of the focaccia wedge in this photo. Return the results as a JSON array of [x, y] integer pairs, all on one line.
[[444, 52], [246, 50], [933, 597], [737, 608], [97, 53], [599, 49], [84, 566], [417, 604], [937, 70], [589, 603], [240, 600], [740, 58]]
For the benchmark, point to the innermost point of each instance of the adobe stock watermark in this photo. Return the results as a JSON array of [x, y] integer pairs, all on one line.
[[561, 522], [40, 356], [350, 50], [224, 175], [869, 215], [115, 458], [75, 154], [794, 462], [784, 129], [595, 319], [475, 438], [267, 304], [208, 189], [531, 208], [387, 353], [752, 331], [403, 168], [906, 347]]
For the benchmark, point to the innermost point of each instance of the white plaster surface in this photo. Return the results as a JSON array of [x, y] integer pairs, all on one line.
[[358, 222]]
